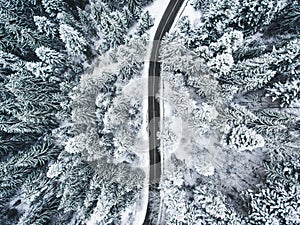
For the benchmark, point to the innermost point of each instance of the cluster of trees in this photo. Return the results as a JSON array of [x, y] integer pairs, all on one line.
[[107, 116], [191, 200], [242, 60], [277, 200], [67, 140], [45, 46]]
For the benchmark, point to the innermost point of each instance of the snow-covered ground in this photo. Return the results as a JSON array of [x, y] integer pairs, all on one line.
[[191, 13]]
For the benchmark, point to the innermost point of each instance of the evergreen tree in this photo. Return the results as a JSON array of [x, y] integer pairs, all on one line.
[[286, 93], [286, 20], [145, 23], [53, 6], [207, 206], [217, 19], [255, 15], [277, 200], [23, 166], [242, 138], [253, 73], [175, 195], [114, 28], [75, 43]]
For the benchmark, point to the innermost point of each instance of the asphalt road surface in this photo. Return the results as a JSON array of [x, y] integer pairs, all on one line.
[[153, 90]]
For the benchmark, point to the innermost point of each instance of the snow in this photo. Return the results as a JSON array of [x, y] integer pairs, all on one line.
[[191, 13]]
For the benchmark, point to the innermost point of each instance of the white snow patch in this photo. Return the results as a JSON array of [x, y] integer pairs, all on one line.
[[188, 11], [191, 13]]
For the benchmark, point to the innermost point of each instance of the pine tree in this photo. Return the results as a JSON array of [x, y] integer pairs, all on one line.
[[145, 23], [287, 93], [53, 6], [53, 59], [17, 17], [286, 20], [254, 15], [74, 41], [19, 168], [114, 28], [277, 200], [130, 58], [33, 101], [199, 4], [253, 73], [207, 207], [44, 25], [116, 190], [242, 138], [217, 19], [75, 178], [275, 126], [177, 57], [175, 194]]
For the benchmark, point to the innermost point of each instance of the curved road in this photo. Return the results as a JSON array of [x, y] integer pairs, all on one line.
[[153, 90]]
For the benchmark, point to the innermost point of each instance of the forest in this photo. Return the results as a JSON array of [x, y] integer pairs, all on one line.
[[73, 115]]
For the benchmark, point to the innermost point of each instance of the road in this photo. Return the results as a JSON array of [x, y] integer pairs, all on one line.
[[153, 90]]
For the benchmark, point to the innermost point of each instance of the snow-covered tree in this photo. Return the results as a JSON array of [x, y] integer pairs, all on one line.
[[254, 15], [286, 93], [53, 6], [242, 138], [113, 192], [112, 24], [54, 170], [230, 42], [221, 64], [217, 18], [50, 56], [130, 57], [253, 73], [44, 25], [275, 126], [19, 168], [177, 57], [277, 201], [74, 181], [286, 20], [207, 207], [145, 23], [114, 28], [74, 41], [175, 195]]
